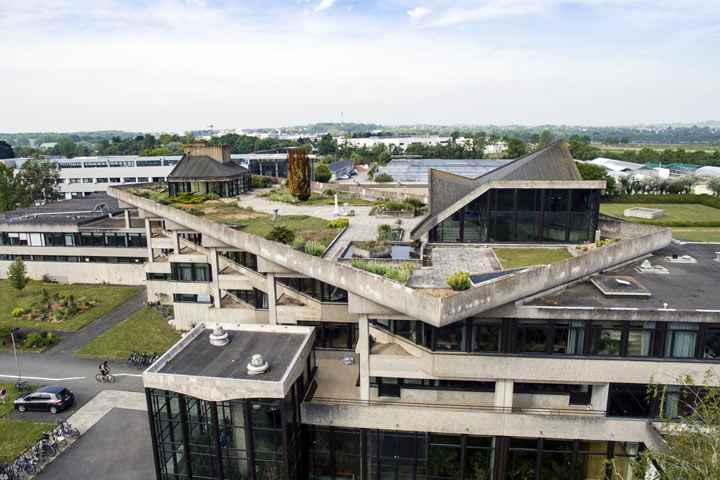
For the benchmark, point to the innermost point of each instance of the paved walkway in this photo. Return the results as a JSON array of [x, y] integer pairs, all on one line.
[[74, 340], [448, 260]]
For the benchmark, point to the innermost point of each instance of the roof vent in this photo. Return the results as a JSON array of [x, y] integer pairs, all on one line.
[[257, 365], [219, 337]]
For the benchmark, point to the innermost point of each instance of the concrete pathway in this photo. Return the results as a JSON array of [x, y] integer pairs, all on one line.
[[75, 340]]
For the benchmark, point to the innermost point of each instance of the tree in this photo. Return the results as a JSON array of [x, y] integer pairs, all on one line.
[[298, 173], [516, 148], [322, 173], [8, 189], [327, 145], [714, 185], [383, 178], [546, 137], [384, 158], [17, 274], [357, 159], [66, 148], [588, 171], [6, 151], [37, 181], [691, 441]]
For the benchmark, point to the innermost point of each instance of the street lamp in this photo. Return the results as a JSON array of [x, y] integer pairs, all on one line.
[[17, 364]]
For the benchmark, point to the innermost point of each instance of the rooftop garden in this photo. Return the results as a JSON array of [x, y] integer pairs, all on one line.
[[327, 197], [399, 273], [525, 257], [410, 204]]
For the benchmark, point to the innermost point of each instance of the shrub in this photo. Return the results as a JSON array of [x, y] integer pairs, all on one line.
[[40, 339], [314, 248], [322, 174], [383, 178], [339, 223], [281, 234], [213, 196], [415, 202], [261, 182], [189, 197], [329, 192], [459, 280], [297, 242], [398, 273], [17, 312]]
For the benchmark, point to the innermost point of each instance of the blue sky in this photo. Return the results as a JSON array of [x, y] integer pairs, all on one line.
[[173, 65]]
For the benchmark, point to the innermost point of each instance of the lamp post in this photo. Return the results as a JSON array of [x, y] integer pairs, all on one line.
[[17, 364]]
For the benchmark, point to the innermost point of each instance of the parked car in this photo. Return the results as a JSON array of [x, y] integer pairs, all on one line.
[[52, 398], [353, 173]]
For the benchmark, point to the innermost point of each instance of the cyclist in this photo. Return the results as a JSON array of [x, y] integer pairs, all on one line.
[[104, 369]]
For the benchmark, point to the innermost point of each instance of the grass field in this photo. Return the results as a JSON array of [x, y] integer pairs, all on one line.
[[17, 435], [697, 234], [691, 212], [108, 297], [144, 330], [525, 257]]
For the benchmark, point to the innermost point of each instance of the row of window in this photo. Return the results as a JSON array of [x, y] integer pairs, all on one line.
[[342, 453], [192, 298], [113, 180], [315, 289], [342, 336], [678, 340], [72, 259], [118, 163], [190, 272], [228, 188], [255, 298], [74, 239], [246, 259]]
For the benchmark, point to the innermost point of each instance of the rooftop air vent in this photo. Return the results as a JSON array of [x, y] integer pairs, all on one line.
[[218, 337], [257, 365]]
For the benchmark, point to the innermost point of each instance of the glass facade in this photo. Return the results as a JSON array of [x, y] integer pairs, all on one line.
[[74, 239], [596, 338], [316, 289], [190, 272], [523, 215], [240, 439], [336, 335], [227, 188]]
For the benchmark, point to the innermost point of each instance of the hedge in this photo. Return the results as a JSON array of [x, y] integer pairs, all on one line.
[[707, 200]]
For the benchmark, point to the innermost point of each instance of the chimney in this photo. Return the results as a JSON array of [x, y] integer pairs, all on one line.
[[219, 153]]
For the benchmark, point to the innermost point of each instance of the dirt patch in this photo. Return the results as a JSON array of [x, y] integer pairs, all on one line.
[[438, 292], [232, 213]]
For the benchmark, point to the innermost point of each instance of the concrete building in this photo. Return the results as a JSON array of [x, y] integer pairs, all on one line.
[[415, 170], [340, 168], [531, 372]]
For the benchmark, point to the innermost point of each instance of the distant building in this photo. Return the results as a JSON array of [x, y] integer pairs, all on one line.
[[270, 163], [415, 170], [340, 168], [208, 169]]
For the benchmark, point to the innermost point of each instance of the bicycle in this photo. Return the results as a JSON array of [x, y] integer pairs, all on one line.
[[132, 359], [21, 386], [67, 429], [105, 378]]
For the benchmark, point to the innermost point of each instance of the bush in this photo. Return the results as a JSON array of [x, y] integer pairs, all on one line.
[[383, 178], [459, 280], [315, 248], [213, 196], [398, 273], [17, 312], [40, 339], [298, 242], [322, 174], [261, 182], [281, 234], [329, 192], [189, 197], [339, 223]]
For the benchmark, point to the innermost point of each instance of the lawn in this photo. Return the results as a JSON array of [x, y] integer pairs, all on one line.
[[12, 394], [17, 435], [697, 234], [108, 297], [674, 212], [525, 257], [283, 195], [144, 330]]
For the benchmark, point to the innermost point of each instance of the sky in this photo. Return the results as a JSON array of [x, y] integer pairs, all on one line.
[[177, 65]]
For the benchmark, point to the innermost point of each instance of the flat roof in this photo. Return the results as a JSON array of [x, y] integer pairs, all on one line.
[[76, 211], [686, 286], [200, 358]]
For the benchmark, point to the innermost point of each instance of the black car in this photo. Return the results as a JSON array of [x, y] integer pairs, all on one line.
[[52, 398]]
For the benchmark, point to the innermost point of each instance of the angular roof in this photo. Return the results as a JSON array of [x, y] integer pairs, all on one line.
[[202, 167], [339, 165], [552, 163]]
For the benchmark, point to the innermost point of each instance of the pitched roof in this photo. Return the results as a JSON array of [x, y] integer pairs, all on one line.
[[205, 168], [339, 165]]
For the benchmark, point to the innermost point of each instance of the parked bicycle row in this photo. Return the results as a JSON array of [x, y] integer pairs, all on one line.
[[32, 460], [141, 360]]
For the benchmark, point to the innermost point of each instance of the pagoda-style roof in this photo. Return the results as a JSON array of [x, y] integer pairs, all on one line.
[[205, 169]]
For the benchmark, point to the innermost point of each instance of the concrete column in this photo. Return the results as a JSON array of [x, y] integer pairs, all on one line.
[[504, 395], [176, 242], [363, 348], [599, 398], [127, 218], [148, 235], [271, 292], [214, 267]]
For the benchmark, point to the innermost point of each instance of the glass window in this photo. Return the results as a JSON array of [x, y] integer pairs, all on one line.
[[711, 350], [641, 339], [522, 459], [681, 340], [450, 337], [528, 215], [568, 337], [555, 215], [319, 462], [582, 217], [606, 338], [591, 460], [347, 453], [475, 221], [479, 455], [486, 334], [532, 336], [444, 457], [449, 229], [628, 400], [502, 215], [556, 460]]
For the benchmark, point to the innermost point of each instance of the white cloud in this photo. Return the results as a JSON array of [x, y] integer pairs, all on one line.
[[417, 13], [324, 5]]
